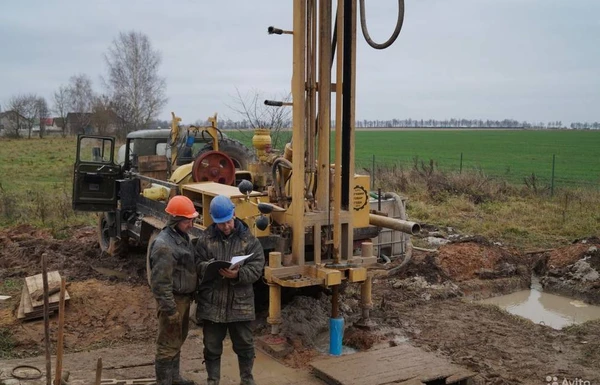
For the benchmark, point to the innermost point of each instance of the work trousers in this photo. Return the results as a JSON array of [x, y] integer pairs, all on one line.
[[240, 334], [171, 336]]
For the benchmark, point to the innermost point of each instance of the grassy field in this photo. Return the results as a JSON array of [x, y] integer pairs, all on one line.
[[36, 183], [512, 155]]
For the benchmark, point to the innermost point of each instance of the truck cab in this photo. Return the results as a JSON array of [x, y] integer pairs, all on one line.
[[111, 181]]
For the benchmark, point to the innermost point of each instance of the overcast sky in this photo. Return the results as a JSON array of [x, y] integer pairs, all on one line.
[[534, 60]]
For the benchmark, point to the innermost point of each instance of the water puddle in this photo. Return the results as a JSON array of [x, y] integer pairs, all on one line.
[[545, 308]]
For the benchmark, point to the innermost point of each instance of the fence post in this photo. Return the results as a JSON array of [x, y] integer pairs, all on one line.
[[373, 174], [552, 180], [460, 170]]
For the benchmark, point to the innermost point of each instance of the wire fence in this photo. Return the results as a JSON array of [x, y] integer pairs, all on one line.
[[550, 173]]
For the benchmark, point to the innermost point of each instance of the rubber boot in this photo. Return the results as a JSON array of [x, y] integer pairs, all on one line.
[[164, 372], [246, 365], [177, 378], [213, 371]]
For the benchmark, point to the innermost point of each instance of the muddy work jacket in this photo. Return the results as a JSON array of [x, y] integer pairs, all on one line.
[[173, 268], [222, 299]]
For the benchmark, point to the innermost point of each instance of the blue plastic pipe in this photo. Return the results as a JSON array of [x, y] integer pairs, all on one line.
[[336, 334]]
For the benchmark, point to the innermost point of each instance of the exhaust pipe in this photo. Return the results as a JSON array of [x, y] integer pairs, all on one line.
[[412, 228]]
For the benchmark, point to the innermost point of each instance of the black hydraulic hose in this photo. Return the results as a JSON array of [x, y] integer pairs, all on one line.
[[392, 39], [365, 31]]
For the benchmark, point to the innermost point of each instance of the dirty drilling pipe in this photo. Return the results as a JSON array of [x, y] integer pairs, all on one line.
[[394, 224]]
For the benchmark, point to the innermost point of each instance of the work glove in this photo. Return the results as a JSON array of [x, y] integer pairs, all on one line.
[[174, 318]]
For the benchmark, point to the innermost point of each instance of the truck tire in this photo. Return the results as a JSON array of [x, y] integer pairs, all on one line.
[[150, 242], [113, 246], [236, 150]]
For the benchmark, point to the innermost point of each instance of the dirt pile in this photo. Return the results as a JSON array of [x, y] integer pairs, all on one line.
[[99, 313], [21, 249], [110, 301], [573, 270]]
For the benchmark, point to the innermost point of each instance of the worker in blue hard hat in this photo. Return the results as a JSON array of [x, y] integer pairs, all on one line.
[[226, 304]]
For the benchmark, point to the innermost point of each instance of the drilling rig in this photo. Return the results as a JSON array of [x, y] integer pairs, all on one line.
[[328, 200], [307, 206]]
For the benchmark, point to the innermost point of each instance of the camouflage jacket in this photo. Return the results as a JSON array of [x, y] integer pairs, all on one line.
[[173, 268], [222, 299]]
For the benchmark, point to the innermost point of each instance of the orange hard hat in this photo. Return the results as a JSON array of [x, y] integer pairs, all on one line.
[[181, 206]]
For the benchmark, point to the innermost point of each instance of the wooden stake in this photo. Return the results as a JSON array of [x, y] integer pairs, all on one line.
[[46, 321], [61, 325], [98, 372]]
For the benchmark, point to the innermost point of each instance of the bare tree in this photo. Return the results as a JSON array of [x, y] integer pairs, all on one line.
[[81, 98], [258, 115], [62, 103], [136, 89], [43, 113], [24, 113], [16, 108]]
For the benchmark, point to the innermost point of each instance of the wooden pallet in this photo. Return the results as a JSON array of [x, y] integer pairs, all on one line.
[[33, 307], [400, 365]]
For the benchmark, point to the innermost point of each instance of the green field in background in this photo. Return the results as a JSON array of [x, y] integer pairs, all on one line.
[[513, 155], [31, 164]]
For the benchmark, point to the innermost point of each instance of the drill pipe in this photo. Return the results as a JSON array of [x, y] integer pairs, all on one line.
[[394, 224]]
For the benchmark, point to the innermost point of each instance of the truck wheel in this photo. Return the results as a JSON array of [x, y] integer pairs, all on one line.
[[150, 242], [112, 246], [240, 154]]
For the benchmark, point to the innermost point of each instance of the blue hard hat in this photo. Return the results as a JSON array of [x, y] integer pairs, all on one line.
[[221, 209]]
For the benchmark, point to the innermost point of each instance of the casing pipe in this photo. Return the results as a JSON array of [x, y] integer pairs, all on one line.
[[394, 224]]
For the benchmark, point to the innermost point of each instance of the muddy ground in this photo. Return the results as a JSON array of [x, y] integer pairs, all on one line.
[[429, 303]]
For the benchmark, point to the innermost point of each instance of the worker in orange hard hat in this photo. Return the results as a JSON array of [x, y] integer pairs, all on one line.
[[173, 282]]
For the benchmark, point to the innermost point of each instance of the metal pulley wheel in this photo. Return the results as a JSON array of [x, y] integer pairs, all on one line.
[[214, 166]]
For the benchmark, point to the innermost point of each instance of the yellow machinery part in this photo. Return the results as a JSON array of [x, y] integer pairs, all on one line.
[[157, 192], [360, 201], [183, 174]]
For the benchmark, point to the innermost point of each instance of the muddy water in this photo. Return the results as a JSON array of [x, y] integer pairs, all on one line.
[[545, 308]]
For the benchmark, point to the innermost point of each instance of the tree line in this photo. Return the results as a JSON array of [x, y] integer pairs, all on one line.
[[425, 123], [132, 96]]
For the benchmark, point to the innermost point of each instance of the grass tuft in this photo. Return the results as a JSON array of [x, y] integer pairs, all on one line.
[[7, 344]]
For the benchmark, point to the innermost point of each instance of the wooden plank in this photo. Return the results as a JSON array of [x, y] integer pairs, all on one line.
[[27, 308], [26, 312], [152, 163], [38, 295], [35, 284], [214, 189], [21, 311], [402, 365]]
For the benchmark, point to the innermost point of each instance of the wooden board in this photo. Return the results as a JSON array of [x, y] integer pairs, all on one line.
[[153, 166], [214, 189], [401, 365], [35, 284], [152, 163], [27, 312], [21, 311]]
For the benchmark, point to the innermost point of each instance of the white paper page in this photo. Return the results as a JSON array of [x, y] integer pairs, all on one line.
[[240, 258]]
